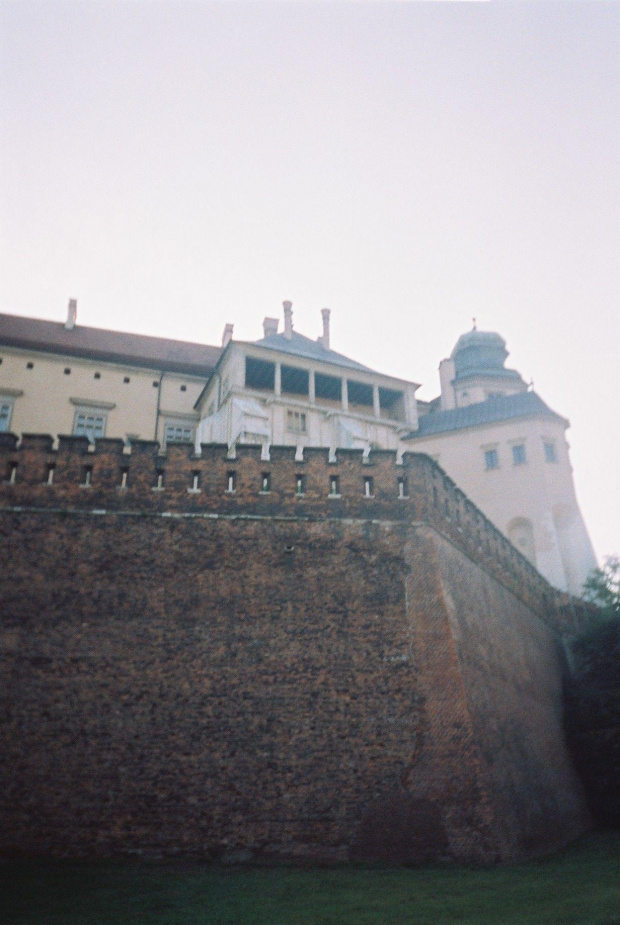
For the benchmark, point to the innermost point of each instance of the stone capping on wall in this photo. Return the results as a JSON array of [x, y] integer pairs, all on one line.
[[109, 477]]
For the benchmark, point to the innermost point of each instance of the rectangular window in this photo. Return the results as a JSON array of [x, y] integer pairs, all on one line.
[[90, 424], [327, 387], [296, 422], [403, 488], [259, 374], [295, 381], [518, 454], [334, 486], [392, 404], [6, 411], [299, 484], [266, 482], [178, 432], [360, 394], [231, 481], [368, 487], [550, 454], [491, 459]]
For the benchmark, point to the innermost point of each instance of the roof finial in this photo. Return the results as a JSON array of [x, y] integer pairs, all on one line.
[[474, 327]]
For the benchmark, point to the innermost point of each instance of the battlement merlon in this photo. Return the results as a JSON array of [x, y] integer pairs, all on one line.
[[108, 475]]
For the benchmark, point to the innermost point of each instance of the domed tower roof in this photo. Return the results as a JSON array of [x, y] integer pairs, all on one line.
[[481, 353]]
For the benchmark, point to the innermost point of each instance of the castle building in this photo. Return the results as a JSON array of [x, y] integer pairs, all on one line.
[[69, 379], [493, 436], [289, 390], [508, 452]]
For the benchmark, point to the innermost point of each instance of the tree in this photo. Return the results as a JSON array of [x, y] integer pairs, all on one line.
[[602, 587], [592, 704]]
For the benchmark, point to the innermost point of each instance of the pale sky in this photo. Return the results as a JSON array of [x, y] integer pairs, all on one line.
[[178, 165]]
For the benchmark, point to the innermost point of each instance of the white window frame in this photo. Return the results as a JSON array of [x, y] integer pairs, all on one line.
[[296, 421], [81, 417], [6, 402], [550, 450], [179, 425], [488, 457]]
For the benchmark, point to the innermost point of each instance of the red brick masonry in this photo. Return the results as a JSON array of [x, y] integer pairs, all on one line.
[[302, 671]]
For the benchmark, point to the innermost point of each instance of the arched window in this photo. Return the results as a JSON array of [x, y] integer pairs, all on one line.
[[521, 534]]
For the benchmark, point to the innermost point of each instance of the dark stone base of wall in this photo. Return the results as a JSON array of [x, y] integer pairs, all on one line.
[[244, 688]]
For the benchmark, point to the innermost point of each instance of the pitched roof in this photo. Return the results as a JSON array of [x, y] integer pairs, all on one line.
[[111, 346], [302, 346], [493, 410]]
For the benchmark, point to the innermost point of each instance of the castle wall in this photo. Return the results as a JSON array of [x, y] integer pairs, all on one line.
[[237, 673]]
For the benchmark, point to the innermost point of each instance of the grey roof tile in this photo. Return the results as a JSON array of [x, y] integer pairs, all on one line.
[[501, 408], [302, 346], [114, 346]]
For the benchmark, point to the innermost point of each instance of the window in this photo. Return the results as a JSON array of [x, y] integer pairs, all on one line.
[[6, 412], [266, 482], [259, 374], [294, 381], [368, 487], [327, 387], [300, 484], [392, 404], [518, 454], [491, 459], [90, 424], [178, 432], [359, 394], [550, 454], [296, 422], [334, 487], [521, 534]]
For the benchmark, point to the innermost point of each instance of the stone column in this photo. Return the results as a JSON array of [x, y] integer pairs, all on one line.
[[375, 401], [278, 380]]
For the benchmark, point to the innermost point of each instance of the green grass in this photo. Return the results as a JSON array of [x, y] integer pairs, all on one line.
[[579, 886]]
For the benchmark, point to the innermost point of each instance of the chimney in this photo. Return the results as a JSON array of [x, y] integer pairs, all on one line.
[[270, 326], [324, 339], [227, 335], [288, 319], [71, 315]]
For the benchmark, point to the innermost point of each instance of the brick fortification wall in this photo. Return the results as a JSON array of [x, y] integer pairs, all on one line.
[[194, 664]]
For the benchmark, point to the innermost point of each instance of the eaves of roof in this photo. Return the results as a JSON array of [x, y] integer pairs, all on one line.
[[108, 346], [493, 410]]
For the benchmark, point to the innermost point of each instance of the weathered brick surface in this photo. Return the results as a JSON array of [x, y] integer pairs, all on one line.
[[287, 675]]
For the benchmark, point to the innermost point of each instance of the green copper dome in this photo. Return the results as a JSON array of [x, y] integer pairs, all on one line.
[[481, 353]]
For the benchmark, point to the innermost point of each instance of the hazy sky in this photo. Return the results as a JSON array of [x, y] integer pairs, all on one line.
[[176, 166]]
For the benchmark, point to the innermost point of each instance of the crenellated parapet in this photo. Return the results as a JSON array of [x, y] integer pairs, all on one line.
[[109, 477]]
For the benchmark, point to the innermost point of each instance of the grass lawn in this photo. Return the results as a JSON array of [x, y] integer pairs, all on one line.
[[579, 886]]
